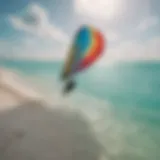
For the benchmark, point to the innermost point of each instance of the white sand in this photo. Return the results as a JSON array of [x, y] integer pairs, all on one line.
[[14, 90], [7, 99]]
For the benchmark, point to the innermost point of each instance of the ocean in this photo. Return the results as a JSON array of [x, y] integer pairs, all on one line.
[[122, 100]]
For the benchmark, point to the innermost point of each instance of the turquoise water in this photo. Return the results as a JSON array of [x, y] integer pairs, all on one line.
[[132, 92]]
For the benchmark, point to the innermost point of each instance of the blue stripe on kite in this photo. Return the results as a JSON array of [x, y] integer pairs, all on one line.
[[82, 43]]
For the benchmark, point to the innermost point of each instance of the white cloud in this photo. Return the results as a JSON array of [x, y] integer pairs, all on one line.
[[36, 22], [33, 49], [103, 9], [112, 36], [113, 11], [42, 45], [133, 51], [148, 23], [125, 51]]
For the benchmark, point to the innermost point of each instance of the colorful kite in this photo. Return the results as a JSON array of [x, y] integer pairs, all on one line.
[[87, 47]]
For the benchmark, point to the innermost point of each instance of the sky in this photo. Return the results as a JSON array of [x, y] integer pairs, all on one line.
[[44, 29]]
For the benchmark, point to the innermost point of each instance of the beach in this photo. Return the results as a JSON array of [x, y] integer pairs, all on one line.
[[12, 91], [34, 131], [122, 109], [30, 129]]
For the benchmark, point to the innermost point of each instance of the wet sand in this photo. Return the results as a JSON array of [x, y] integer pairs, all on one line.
[[34, 132]]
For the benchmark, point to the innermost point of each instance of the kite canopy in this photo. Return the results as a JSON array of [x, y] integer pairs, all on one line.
[[87, 46]]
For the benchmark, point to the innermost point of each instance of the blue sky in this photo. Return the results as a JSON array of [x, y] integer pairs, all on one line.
[[43, 29]]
